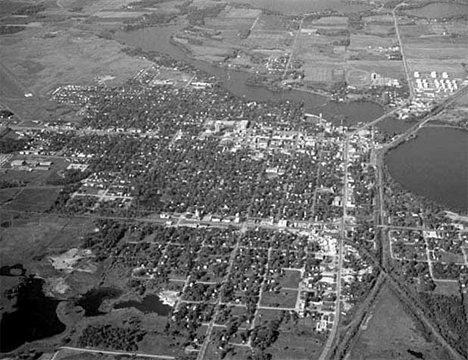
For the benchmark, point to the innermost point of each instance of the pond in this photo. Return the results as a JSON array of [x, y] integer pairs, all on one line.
[[150, 304], [92, 300], [35, 317]]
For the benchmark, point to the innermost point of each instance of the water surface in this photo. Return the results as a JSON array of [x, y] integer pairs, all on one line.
[[92, 300], [150, 304], [298, 7], [439, 10], [159, 39], [434, 165], [34, 318]]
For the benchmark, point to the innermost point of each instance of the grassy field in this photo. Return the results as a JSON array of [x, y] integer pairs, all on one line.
[[436, 50], [447, 288], [32, 236], [290, 279], [389, 332], [7, 195], [427, 65], [34, 199], [11, 87], [387, 68], [74, 57], [284, 299], [266, 315], [294, 346]]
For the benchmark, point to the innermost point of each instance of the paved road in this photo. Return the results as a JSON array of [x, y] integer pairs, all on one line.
[[403, 57], [232, 258], [379, 119], [291, 56], [331, 337], [96, 351]]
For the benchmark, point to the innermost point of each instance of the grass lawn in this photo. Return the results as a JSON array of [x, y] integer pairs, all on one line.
[[284, 299], [290, 279]]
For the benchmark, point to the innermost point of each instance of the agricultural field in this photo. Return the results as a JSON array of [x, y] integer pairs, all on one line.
[[369, 47]]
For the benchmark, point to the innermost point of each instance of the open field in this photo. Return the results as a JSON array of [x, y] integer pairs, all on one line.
[[32, 236], [74, 57], [11, 87], [390, 333], [34, 199], [8, 195], [447, 288], [290, 279], [380, 29], [388, 68], [295, 346], [436, 51], [453, 68], [284, 299], [365, 41]]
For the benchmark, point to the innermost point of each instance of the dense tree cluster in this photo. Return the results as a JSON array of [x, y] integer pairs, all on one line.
[[111, 337], [9, 145], [104, 241], [449, 313]]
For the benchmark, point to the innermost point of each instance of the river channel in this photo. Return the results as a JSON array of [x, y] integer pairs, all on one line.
[[159, 39], [298, 7]]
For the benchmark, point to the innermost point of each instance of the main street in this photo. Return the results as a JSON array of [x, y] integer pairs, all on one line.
[[331, 336]]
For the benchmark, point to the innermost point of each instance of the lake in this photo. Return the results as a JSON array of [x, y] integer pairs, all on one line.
[[434, 165], [298, 7], [439, 10], [35, 317], [149, 304], [159, 39]]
